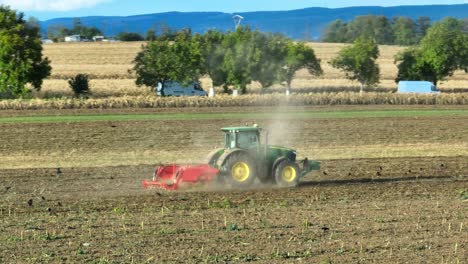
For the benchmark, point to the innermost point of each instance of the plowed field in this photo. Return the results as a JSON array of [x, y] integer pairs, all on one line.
[[392, 189]]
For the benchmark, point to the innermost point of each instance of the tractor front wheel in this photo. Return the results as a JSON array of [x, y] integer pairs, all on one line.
[[240, 170], [287, 174]]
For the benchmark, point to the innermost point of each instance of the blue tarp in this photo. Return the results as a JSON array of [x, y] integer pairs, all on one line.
[[417, 87]]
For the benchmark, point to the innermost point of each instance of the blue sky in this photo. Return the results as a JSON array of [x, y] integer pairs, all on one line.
[[47, 9]]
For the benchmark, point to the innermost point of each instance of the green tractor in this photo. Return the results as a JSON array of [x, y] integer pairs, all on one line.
[[245, 158]]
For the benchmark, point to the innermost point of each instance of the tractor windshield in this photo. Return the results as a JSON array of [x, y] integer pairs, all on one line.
[[247, 140], [243, 140]]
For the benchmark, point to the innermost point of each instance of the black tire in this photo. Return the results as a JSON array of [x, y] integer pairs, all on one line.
[[263, 175], [239, 169], [287, 174]]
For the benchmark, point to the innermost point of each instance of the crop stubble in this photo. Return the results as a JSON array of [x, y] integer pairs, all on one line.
[[91, 214]]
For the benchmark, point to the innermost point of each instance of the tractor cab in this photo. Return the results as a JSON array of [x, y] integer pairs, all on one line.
[[241, 137]]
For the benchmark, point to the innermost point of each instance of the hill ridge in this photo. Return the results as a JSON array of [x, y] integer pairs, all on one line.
[[297, 23]]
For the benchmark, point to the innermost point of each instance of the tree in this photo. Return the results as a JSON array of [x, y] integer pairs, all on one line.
[[336, 32], [89, 32], [77, 25], [84, 31], [399, 30], [443, 50], [465, 25], [445, 46], [21, 60], [359, 62], [33, 22], [383, 31], [56, 32], [155, 64], [270, 50], [404, 30], [422, 25], [165, 31], [239, 58], [374, 27], [129, 36], [299, 56], [160, 61], [150, 35], [412, 67], [213, 54], [189, 56]]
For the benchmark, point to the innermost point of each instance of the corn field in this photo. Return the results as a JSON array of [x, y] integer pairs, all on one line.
[[310, 99]]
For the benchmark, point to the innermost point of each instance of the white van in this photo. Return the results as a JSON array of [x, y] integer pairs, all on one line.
[[173, 88], [417, 87]]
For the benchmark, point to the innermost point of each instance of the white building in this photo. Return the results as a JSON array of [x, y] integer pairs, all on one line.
[[98, 38], [73, 38]]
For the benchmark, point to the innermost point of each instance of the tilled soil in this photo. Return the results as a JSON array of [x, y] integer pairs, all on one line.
[[362, 210], [111, 143]]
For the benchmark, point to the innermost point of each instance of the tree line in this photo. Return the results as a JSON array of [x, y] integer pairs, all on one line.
[[443, 50], [58, 33], [237, 58], [166, 33], [397, 31], [231, 59]]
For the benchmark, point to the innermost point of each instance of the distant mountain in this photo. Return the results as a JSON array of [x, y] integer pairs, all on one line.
[[299, 24]]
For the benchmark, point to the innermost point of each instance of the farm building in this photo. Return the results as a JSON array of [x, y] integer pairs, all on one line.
[[73, 38], [98, 38]]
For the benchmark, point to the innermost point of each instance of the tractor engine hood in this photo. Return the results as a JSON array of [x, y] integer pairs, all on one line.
[[277, 151]]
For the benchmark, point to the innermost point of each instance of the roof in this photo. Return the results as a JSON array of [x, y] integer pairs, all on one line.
[[240, 129]]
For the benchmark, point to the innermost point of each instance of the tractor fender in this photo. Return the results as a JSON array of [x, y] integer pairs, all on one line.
[[221, 160], [212, 157], [275, 164]]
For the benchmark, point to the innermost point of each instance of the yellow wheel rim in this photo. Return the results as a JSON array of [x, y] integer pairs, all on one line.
[[289, 174], [240, 171]]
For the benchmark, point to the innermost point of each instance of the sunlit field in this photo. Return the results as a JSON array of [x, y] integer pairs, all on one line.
[[108, 66]]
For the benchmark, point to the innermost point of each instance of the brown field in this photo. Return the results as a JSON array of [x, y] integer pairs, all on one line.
[[108, 65], [391, 190]]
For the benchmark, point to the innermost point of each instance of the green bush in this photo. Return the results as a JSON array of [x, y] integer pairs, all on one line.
[[80, 85]]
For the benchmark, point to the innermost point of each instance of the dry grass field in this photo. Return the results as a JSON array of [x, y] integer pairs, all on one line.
[[108, 65]]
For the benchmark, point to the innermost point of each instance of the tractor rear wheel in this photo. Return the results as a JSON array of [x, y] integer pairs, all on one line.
[[287, 174], [240, 170], [213, 156]]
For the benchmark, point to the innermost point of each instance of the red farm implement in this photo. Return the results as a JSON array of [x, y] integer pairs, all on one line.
[[170, 176]]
